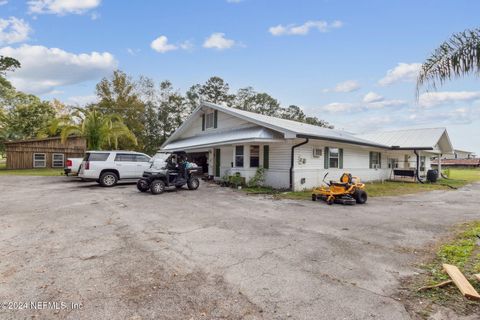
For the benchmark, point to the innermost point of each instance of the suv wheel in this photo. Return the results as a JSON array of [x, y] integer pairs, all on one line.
[[108, 179], [157, 187], [193, 183]]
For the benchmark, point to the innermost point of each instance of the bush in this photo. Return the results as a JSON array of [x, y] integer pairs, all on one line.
[[258, 178]]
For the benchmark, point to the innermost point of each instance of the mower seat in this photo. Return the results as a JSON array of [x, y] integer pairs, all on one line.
[[339, 184]]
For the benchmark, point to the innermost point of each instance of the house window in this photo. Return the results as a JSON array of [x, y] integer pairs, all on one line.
[[239, 156], [392, 163], [58, 160], [209, 120], [317, 152], [39, 160], [422, 163], [254, 156], [375, 160], [333, 158]]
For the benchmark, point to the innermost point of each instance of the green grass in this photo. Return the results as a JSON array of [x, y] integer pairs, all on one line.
[[458, 178], [29, 172], [460, 250]]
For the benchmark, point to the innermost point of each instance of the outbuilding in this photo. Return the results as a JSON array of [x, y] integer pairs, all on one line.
[[43, 153], [296, 155]]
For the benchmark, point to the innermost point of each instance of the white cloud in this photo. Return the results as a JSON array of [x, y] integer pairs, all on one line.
[[304, 29], [82, 100], [234, 1], [61, 7], [3, 2], [133, 52], [372, 97], [44, 69], [218, 41], [432, 99], [376, 104], [339, 107], [346, 86], [161, 45], [402, 72], [186, 45], [384, 103], [13, 30], [445, 117]]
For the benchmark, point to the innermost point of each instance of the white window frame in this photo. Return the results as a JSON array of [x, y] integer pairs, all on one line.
[[376, 163], [239, 156], [44, 160], [257, 156], [209, 120], [336, 157], [53, 160]]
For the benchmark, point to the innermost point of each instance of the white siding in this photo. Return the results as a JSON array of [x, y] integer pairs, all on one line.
[[224, 122], [355, 161]]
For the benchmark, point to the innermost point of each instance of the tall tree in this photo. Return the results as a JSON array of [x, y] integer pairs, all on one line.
[[216, 90], [27, 115], [118, 95], [100, 130], [245, 99], [456, 57]]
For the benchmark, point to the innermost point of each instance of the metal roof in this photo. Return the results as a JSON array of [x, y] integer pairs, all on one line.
[[293, 129], [429, 138], [231, 136]]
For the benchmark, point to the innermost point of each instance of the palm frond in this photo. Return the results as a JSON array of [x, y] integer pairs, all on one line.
[[456, 57]]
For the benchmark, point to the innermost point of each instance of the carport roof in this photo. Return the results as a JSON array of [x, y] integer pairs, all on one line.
[[435, 139], [251, 134]]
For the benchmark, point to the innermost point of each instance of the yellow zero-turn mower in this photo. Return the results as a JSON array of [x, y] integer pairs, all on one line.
[[348, 191]]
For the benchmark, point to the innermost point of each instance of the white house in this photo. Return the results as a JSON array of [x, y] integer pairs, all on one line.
[[297, 155], [460, 154]]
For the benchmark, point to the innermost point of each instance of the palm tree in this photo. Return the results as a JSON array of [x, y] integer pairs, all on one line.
[[99, 130], [456, 57]]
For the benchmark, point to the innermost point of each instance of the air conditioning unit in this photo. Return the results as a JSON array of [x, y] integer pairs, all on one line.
[[317, 152]]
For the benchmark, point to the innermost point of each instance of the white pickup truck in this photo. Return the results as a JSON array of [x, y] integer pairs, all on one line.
[[107, 167], [72, 166]]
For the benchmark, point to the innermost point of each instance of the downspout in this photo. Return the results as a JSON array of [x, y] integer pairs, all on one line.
[[292, 160], [418, 165]]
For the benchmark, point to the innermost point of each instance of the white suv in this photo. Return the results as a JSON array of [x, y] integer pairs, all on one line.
[[107, 167]]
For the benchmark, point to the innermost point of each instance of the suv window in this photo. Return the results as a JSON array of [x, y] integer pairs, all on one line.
[[96, 156], [125, 157], [142, 158]]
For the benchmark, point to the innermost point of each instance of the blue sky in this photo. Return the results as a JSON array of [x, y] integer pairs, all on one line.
[[352, 63]]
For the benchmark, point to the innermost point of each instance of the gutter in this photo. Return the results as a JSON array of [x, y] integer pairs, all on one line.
[[418, 165], [343, 141], [292, 161]]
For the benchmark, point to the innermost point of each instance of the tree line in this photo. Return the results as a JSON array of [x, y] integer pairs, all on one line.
[[136, 114]]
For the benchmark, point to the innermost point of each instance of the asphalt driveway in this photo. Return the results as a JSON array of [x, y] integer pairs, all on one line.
[[209, 254]]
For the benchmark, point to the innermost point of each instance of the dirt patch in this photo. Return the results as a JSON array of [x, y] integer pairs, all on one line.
[[443, 302]]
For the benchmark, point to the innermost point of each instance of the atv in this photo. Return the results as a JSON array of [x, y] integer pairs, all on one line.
[[348, 191], [169, 170]]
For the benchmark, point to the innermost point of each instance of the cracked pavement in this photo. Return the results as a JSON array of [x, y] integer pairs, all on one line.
[[213, 253]]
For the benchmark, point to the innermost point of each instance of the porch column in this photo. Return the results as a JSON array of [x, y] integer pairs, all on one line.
[[439, 165]]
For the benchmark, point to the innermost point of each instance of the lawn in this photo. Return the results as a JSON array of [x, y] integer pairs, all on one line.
[[461, 250], [29, 172], [457, 178]]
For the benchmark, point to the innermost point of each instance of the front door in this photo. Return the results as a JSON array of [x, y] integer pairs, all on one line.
[[217, 162]]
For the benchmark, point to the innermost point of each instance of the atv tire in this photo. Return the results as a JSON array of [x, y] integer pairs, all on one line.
[[193, 183], [157, 187], [360, 196], [142, 185], [314, 197]]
